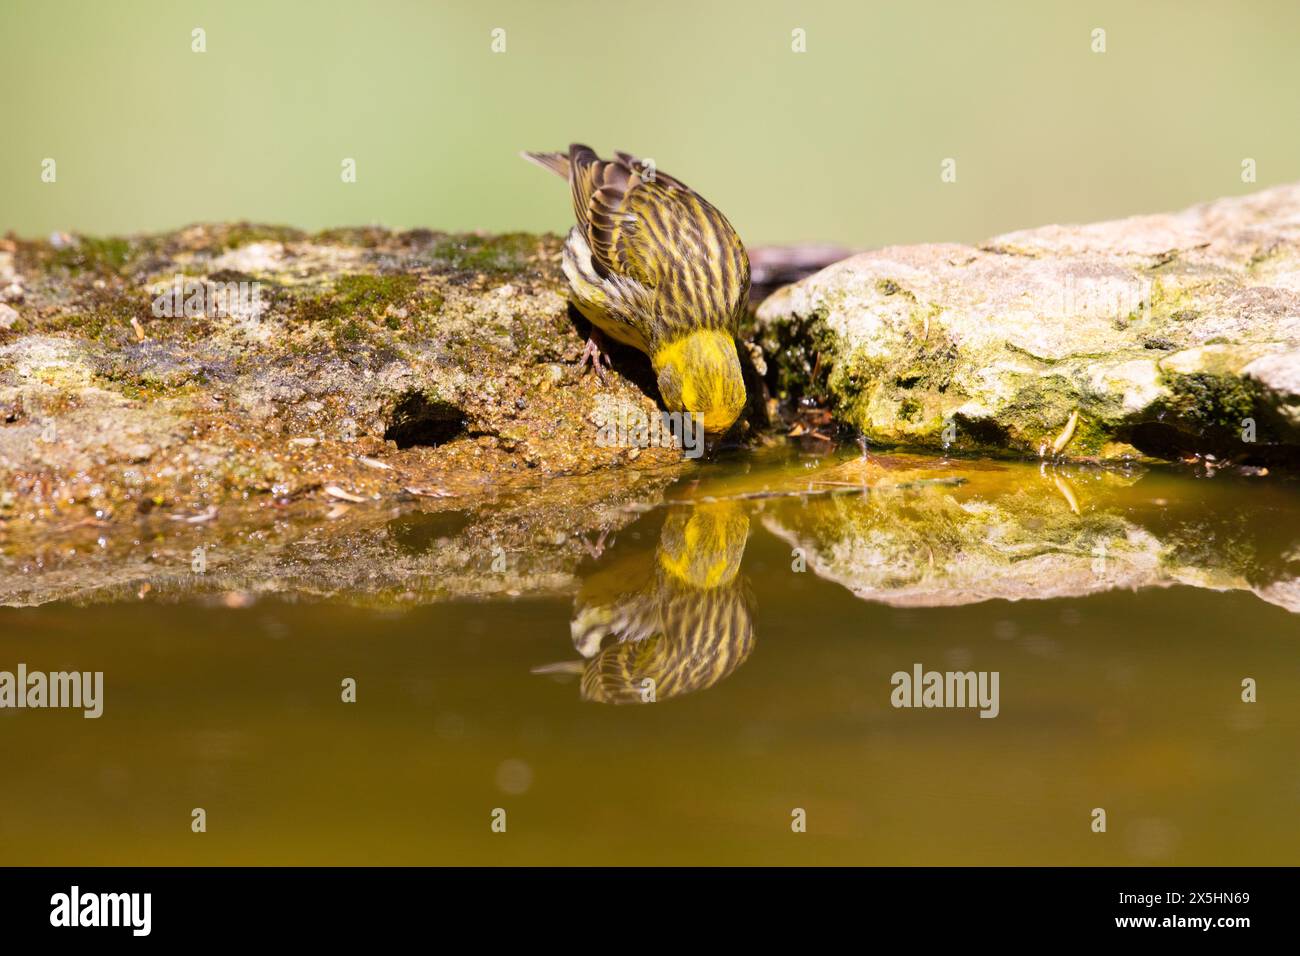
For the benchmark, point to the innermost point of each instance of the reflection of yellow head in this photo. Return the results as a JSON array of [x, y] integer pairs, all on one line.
[[700, 374], [702, 547]]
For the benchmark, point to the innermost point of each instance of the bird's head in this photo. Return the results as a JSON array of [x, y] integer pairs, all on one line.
[[700, 374]]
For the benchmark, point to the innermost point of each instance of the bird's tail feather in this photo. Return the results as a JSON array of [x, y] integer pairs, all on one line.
[[557, 163], [563, 667]]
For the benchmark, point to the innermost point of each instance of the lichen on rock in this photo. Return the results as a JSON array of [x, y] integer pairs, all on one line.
[[221, 363], [1169, 335]]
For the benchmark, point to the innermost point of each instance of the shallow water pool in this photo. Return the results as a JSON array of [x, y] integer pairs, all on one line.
[[711, 679]]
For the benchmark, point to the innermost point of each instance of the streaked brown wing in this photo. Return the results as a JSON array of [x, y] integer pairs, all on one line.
[[689, 252], [661, 233]]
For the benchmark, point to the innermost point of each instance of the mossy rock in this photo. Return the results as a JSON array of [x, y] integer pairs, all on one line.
[[1136, 338], [222, 363]]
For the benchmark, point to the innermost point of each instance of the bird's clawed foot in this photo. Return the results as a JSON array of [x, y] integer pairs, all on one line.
[[597, 549], [595, 353]]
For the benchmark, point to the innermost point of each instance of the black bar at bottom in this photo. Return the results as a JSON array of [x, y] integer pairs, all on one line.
[[331, 905]]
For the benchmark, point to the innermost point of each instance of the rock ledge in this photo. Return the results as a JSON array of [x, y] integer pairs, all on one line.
[[1169, 335]]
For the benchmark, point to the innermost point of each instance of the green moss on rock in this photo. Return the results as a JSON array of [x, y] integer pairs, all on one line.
[[355, 297], [88, 254], [246, 233], [1143, 327], [1210, 400], [494, 255]]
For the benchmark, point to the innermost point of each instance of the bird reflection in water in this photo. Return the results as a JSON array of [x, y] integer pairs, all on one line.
[[649, 631]]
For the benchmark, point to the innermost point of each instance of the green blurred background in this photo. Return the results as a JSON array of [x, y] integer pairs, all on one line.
[[841, 143]]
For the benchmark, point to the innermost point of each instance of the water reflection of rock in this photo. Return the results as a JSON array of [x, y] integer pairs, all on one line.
[[401, 554], [652, 627], [1017, 532]]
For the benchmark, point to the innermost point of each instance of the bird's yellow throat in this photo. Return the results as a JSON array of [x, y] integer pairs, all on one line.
[[709, 372]]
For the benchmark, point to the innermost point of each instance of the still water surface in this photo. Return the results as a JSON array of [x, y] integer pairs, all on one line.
[[766, 603]]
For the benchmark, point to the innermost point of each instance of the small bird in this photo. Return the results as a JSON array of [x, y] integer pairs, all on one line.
[[653, 265]]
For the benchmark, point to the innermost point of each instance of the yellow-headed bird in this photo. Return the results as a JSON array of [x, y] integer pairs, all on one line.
[[653, 265]]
